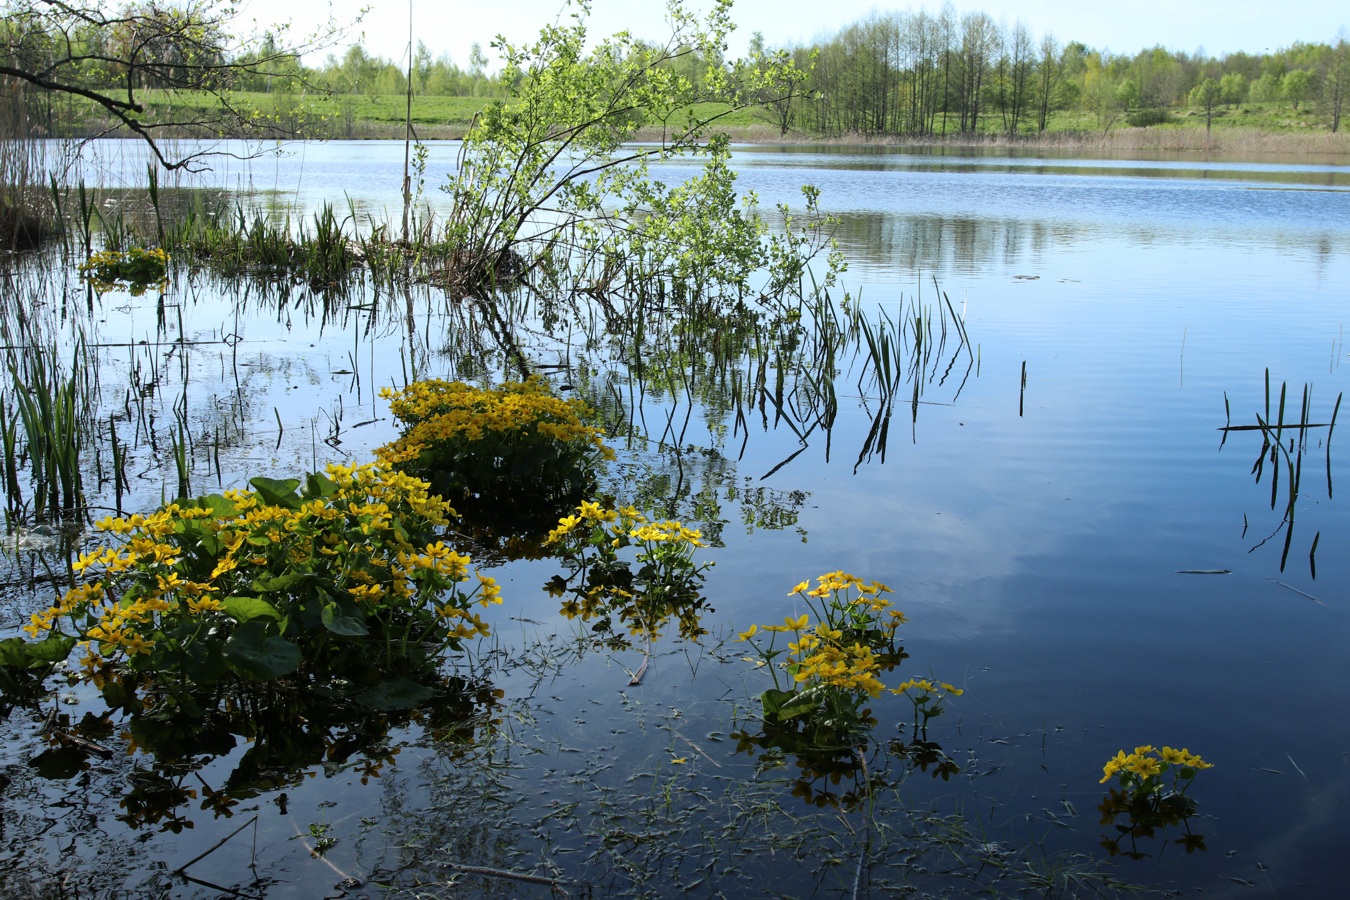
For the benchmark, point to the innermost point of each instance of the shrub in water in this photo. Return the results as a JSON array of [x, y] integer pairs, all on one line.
[[1151, 797], [832, 668]]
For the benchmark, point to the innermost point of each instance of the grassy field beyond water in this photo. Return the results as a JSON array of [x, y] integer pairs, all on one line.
[[1259, 129]]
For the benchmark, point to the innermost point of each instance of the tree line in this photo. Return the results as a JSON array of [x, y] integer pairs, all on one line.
[[918, 74], [899, 73]]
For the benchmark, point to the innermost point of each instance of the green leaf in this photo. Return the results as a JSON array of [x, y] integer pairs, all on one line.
[[279, 583], [799, 707], [319, 487], [252, 651], [773, 700], [197, 534], [54, 649], [277, 492], [396, 694], [219, 506], [203, 664], [245, 608], [344, 619], [14, 653]]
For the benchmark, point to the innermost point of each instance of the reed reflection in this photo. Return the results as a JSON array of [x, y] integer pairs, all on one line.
[[1285, 444]]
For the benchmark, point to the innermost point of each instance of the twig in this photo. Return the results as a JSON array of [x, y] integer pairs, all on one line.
[[1301, 593], [867, 825], [214, 847], [697, 749], [503, 873]]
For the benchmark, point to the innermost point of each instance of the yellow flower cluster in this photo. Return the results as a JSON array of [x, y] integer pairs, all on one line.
[[667, 584], [138, 269], [360, 526], [924, 686], [840, 650], [440, 412], [1146, 762], [624, 523]]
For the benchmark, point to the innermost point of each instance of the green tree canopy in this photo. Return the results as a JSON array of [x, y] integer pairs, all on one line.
[[111, 56]]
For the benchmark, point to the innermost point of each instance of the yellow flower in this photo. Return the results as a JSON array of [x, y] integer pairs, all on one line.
[[748, 633], [1113, 765], [137, 644], [1145, 766], [1173, 757], [1195, 762], [492, 593]]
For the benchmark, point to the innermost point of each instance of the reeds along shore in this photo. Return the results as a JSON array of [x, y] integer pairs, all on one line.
[[1228, 141], [1174, 139], [1231, 142]]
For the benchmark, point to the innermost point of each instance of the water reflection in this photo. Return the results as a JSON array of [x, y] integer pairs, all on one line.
[[1285, 444], [1138, 821], [254, 740]]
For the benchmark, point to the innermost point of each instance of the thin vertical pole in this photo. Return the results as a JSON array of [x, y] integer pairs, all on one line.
[[407, 132]]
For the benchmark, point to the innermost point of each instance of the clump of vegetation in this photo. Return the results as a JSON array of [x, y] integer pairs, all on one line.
[[319, 253], [551, 178], [136, 269], [1148, 800], [817, 711], [667, 583], [345, 582], [515, 453], [24, 224]]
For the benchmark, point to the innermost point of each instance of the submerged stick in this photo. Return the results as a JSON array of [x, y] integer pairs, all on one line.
[[487, 872], [214, 847], [1300, 593]]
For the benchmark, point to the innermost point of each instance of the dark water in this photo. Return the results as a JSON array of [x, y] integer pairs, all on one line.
[[1035, 535]]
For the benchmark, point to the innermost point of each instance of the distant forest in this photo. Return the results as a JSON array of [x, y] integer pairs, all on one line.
[[890, 74], [920, 74]]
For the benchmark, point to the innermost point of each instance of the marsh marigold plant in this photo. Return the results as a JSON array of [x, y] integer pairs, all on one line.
[[835, 659], [347, 578], [513, 451], [602, 585], [137, 269], [1151, 797]]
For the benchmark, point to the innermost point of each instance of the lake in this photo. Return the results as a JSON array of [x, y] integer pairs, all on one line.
[[1075, 540]]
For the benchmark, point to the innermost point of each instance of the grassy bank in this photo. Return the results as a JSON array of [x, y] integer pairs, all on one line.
[[1253, 129]]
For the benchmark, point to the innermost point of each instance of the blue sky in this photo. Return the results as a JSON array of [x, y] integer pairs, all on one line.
[[1217, 26]]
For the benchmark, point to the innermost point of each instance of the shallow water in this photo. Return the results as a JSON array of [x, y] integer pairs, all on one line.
[[1035, 537]]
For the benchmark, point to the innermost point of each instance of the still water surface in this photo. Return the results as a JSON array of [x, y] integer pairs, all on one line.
[[1034, 516]]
